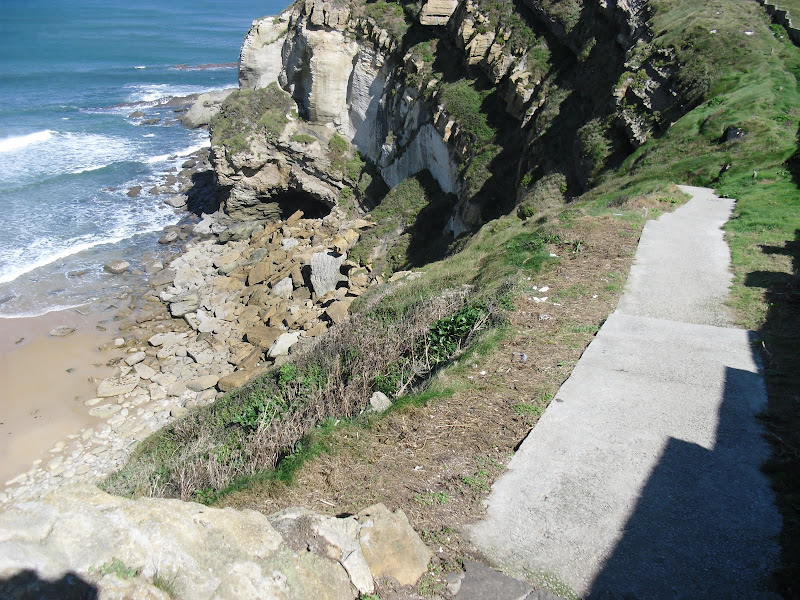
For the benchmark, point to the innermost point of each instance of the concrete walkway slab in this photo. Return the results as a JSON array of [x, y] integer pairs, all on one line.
[[642, 477]]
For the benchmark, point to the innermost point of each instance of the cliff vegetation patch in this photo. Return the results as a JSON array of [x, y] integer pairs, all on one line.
[[246, 113]]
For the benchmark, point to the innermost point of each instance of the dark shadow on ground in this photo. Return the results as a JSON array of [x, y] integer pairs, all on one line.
[[28, 585], [679, 541], [780, 337]]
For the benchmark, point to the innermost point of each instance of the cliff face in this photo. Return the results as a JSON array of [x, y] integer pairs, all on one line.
[[497, 102]]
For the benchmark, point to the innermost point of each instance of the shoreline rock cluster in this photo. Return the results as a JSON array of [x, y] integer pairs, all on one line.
[[236, 301]]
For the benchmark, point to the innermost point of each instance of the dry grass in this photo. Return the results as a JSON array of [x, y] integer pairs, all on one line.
[[437, 460]]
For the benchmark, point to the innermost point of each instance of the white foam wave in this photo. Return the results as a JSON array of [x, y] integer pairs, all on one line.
[[88, 169], [10, 144], [157, 92], [13, 273], [43, 311], [149, 135], [140, 67], [65, 153], [178, 153]]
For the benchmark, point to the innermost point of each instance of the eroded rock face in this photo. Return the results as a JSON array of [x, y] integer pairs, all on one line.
[[204, 552], [260, 57], [437, 12]]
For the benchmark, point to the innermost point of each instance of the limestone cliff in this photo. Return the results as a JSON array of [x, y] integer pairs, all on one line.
[[497, 102]]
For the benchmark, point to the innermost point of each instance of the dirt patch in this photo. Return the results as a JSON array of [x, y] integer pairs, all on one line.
[[437, 461]]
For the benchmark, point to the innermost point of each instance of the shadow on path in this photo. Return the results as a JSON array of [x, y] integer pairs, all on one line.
[[27, 585], [686, 488]]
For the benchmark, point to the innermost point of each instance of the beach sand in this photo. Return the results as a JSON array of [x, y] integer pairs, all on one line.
[[45, 381]]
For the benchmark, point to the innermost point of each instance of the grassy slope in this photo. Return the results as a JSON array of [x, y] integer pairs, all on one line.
[[753, 85], [746, 81]]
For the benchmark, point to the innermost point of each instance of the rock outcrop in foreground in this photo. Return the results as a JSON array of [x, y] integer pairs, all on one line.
[[83, 541]]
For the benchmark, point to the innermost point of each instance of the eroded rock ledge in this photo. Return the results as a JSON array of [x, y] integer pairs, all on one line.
[[155, 549]]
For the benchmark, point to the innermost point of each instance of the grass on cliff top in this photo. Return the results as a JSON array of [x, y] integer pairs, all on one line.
[[250, 112], [747, 82]]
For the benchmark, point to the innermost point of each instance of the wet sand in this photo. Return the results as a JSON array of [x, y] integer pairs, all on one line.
[[45, 381]]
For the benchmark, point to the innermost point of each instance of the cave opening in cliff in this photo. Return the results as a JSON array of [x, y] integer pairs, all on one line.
[[294, 200]]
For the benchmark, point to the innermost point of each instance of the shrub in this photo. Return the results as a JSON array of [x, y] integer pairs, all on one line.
[[463, 102]]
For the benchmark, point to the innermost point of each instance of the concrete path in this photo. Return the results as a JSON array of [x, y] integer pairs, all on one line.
[[642, 477]]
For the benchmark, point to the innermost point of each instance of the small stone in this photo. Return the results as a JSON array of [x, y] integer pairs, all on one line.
[[168, 237], [105, 411], [202, 383], [145, 372], [283, 343], [117, 266], [116, 386], [119, 342], [135, 358], [379, 403], [62, 331]]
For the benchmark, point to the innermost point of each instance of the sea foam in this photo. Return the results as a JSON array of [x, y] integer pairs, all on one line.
[[10, 144]]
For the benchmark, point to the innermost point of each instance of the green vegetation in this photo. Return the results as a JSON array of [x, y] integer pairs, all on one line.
[[410, 219], [504, 14], [338, 147], [303, 138], [394, 17], [465, 104], [117, 568], [246, 113]]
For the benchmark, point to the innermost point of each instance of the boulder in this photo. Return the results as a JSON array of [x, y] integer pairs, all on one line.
[[135, 358], [379, 403], [262, 336], [116, 386], [134, 191], [178, 201], [259, 273], [337, 311], [105, 411], [284, 288], [65, 539], [282, 344], [162, 277], [202, 383], [116, 266], [390, 545], [184, 303], [144, 372], [168, 237], [326, 271], [204, 108], [437, 12], [236, 379]]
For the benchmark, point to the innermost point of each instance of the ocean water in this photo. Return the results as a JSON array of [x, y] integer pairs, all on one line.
[[71, 73]]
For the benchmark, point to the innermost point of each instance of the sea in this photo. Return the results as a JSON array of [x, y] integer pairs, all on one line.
[[71, 75]]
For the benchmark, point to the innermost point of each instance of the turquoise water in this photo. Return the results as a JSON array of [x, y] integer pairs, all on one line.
[[71, 73]]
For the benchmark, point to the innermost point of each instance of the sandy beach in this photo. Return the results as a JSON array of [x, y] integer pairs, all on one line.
[[46, 380]]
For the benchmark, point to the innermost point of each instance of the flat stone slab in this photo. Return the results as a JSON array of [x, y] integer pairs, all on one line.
[[481, 582], [642, 479]]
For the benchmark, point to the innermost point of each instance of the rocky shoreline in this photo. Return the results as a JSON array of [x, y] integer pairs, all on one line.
[[235, 301]]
